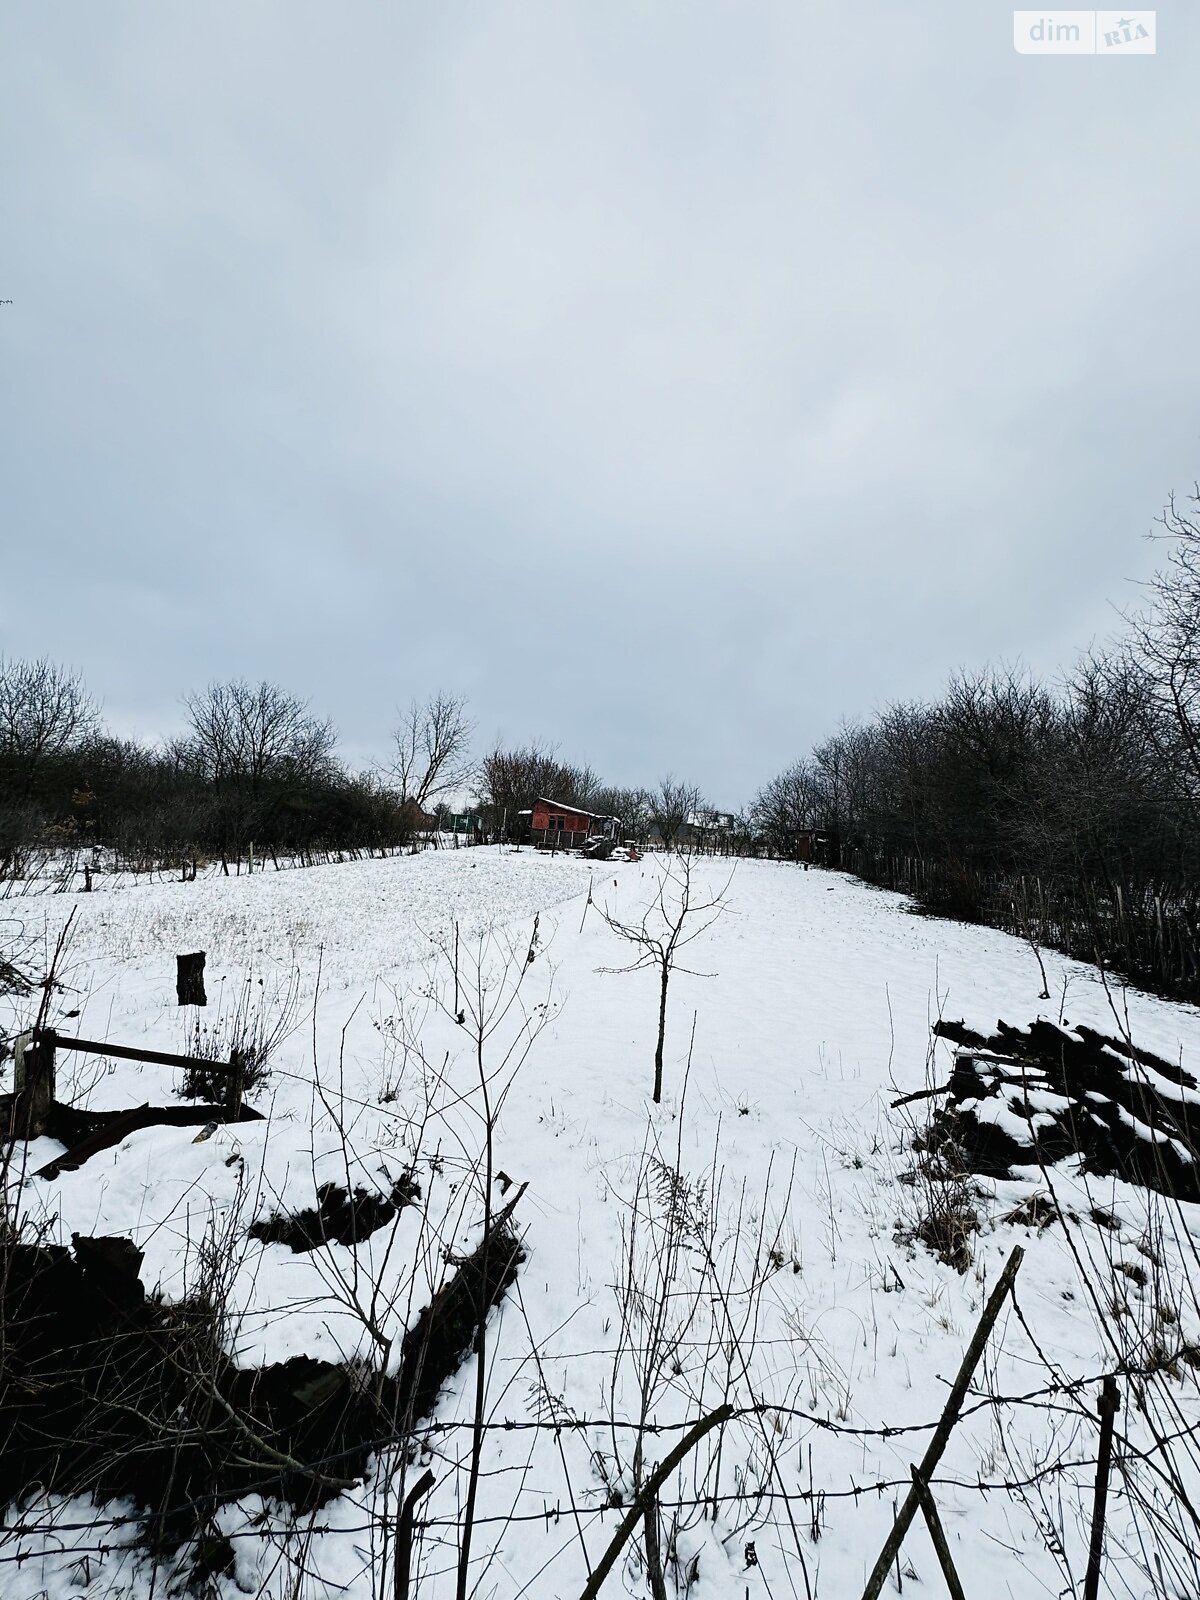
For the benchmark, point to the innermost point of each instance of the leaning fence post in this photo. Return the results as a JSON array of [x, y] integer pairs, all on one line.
[[1109, 1402], [648, 1496], [938, 1534], [941, 1436]]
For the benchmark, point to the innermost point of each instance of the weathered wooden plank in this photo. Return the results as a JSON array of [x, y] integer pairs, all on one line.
[[125, 1052], [147, 1116]]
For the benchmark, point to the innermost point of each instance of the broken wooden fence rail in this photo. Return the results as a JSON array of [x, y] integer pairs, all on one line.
[[114, 1127], [945, 1427], [46, 1042], [127, 1052]]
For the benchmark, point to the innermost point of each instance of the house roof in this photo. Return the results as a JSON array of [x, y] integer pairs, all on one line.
[[574, 810]]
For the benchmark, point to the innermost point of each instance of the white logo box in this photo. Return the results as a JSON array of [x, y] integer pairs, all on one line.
[[1085, 33]]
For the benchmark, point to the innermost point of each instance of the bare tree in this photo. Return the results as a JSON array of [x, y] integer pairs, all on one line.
[[255, 744], [246, 733], [786, 806], [663, 932], [45, 710], [511, 780], [585, 785], [1166, 645], [672, 806], [632, 806], [431, 744]]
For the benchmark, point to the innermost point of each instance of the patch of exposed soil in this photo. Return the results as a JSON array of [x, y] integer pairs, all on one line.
[[341, 1216], [106, 1391]]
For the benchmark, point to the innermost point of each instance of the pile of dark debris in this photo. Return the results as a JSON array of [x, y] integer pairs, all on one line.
[[1032, 1097], [107, 1390]]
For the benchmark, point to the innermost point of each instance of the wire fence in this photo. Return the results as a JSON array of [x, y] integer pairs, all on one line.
[[1148, 932]]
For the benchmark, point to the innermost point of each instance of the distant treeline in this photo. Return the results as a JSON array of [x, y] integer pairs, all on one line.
[[258, 773], [256, 767], [1066, 813]]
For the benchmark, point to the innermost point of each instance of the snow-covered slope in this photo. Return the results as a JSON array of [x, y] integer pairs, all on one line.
[[806, 1011]]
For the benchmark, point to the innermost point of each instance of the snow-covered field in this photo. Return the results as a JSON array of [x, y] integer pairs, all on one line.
[[806, 1011]]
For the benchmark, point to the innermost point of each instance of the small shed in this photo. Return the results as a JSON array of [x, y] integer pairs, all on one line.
[[558, 826], [812, 844]]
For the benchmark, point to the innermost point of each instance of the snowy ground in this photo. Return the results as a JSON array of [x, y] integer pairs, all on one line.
[[811, 1002]]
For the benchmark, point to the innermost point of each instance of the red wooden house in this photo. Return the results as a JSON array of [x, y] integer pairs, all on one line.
[[558, 826]]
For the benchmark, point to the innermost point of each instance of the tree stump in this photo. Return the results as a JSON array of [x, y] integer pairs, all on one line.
[[189, 980]]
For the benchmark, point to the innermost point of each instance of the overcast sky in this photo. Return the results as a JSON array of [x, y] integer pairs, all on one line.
[[670, 378]]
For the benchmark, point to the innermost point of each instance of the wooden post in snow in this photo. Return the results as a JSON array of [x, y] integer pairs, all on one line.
[[1109, 1401], [237, 1081], [33, 1081], [189, 979], [404, 1533]]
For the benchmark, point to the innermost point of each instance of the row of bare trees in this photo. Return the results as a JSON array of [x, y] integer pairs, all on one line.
[[256, 766], [1067, 809], [258, 770]]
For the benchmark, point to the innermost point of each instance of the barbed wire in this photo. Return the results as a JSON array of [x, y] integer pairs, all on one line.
[[550, 1514], [413, 1438]]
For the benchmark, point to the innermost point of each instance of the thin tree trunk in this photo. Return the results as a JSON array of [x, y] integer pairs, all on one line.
[[662, 1031]]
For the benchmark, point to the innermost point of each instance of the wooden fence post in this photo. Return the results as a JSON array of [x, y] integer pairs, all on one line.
[[1109, 1401], [189, 980], [941, 1436], [33, 1080], [649, 1495], [237, 1080], [404, 1527]]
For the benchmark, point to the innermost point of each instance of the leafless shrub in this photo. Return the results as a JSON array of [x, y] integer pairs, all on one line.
[[947, 1218], [691, 1293], [942, 1198], [249, 1030], [1036, 1212]]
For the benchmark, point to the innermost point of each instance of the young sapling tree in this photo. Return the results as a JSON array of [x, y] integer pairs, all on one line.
[[674, 919]]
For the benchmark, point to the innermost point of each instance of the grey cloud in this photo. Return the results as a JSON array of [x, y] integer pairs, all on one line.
[[670, 380]]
